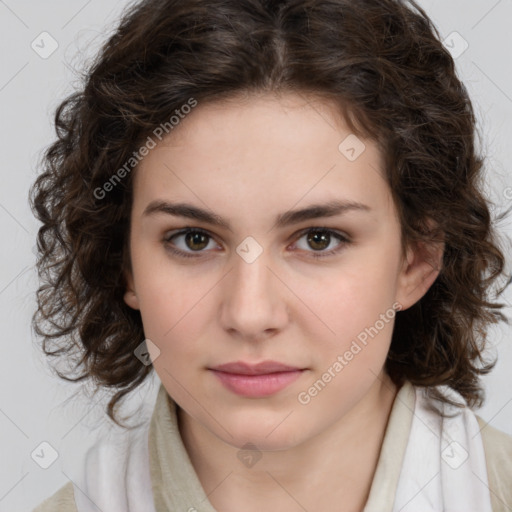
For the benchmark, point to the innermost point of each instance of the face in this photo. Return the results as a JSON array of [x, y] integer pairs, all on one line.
[[239, 275]]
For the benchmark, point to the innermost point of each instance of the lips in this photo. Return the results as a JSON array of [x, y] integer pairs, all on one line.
[[263, 368], [256, 380]]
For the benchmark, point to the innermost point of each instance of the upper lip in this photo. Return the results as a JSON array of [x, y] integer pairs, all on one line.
[[242, 368]]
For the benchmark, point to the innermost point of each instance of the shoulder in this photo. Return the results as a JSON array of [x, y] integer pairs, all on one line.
[[498, 456], [62, 501]]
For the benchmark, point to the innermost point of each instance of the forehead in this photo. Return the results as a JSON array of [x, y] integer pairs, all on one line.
[[263, 151], [246, 109]]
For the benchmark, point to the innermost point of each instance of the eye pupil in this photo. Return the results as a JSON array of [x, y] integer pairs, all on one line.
[[319, 237], [196, 238]]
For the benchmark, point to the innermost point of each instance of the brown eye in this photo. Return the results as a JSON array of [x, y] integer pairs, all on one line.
[[196, 240], [319, 239], [187, 242]]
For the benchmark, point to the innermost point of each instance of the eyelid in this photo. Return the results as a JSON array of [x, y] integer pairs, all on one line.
[[341, 234]]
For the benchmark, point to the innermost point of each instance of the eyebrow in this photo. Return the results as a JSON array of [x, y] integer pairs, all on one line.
[[314, 211]]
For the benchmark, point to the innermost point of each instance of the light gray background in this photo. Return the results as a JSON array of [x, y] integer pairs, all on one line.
[[33, 405]]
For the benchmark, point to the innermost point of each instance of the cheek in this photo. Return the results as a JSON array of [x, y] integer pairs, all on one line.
[[357, 304], [358, 293], [175, 305]]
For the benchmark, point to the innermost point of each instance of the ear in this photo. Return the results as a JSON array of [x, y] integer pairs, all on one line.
[[420, 269], [130, 297]]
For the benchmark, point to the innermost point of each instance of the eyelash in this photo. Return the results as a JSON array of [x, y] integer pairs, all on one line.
[[314, 254]]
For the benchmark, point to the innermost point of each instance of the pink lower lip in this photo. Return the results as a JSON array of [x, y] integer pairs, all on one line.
[[257, 386]]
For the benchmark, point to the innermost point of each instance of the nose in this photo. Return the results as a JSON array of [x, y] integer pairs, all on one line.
[[253, 300]]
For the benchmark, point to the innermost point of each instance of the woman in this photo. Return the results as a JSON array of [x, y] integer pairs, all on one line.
[[277, 206]]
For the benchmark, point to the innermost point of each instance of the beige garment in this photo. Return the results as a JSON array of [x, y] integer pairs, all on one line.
[[176, 486]]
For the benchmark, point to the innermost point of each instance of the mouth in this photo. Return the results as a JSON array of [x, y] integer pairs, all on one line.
[[258, 380], [263, 368]]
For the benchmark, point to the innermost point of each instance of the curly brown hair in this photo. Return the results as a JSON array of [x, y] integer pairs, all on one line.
[[383, 63]]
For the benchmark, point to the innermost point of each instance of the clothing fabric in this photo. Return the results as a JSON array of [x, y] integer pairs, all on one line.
[[444, 466], [427, 463]]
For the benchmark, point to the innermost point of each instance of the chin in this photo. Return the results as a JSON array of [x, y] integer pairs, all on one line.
[[263, 437], [254, 441]]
